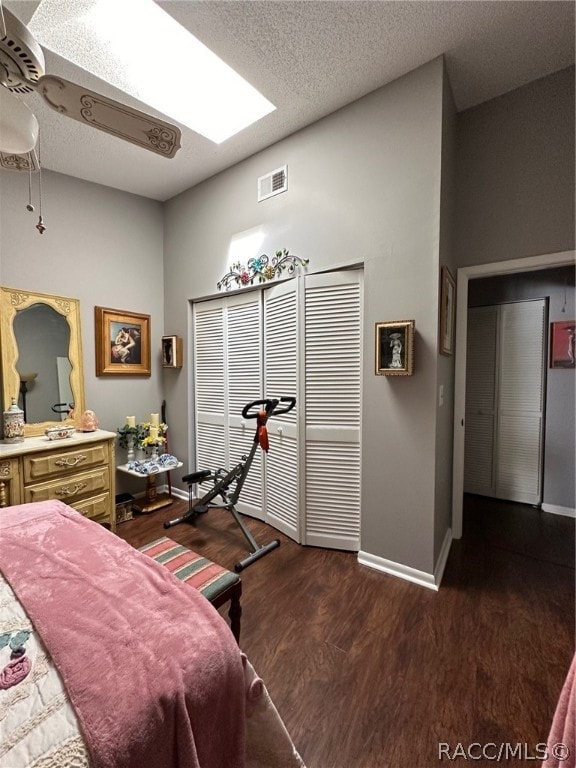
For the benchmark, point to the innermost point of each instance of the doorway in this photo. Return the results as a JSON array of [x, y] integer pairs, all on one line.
[[545, 261]]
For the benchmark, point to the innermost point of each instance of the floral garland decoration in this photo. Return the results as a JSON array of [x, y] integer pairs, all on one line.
[[261, 268]]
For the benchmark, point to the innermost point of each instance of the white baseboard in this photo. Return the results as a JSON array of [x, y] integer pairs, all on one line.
[[176, 492], [424, 579], [443, 558], [397, 569], [556, 510]]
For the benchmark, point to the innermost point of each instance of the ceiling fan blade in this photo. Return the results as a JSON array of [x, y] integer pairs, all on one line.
[[18, 162], [108, 115]]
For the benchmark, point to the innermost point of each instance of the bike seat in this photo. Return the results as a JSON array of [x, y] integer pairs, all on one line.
[[196, 477]]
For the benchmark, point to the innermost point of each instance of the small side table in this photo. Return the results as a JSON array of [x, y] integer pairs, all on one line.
[[152, 499]]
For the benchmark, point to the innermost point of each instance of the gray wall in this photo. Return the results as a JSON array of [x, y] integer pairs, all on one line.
[[103, 247], [363, 186], [560, 428], [516, 174]]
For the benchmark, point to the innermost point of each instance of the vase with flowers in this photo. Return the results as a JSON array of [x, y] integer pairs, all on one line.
[[153, 437], [144, 436]]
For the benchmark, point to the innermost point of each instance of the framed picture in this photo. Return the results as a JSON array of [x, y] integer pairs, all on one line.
[[447, 312], [395, 348], [171, 352], [562, 337], [122, 343]]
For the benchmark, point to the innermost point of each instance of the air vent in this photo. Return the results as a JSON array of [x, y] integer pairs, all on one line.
[[273, 183]]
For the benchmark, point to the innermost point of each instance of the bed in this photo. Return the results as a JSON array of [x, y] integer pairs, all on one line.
[[108, 661]]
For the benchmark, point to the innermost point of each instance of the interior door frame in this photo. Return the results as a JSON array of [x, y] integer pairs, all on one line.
[[527, 264]]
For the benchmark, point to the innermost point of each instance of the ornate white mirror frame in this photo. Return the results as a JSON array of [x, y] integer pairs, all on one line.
[[13, 301]]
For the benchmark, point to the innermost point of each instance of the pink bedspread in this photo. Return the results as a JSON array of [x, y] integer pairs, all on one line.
[[152, 670], [562, 736]]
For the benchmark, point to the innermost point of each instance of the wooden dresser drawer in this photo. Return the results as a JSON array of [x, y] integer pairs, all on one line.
[[42, 466], [97, 508], [9, 482], [67, 489]]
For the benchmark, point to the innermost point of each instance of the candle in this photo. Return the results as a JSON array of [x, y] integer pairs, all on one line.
[[154, 419], [131, 421], [153, 432]]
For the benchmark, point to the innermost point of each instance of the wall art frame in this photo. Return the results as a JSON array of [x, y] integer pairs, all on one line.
[[172, 352], [562, 343], [122, 342], [447, 319], [395, 348]]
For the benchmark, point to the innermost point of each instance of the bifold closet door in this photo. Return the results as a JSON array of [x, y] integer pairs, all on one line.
[[282, 376], [481, 389], [521, 388], [300, 338], [227, 376], [505, 387], [332, 396]]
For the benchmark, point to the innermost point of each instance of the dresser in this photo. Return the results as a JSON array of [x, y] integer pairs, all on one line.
[[78, 470]]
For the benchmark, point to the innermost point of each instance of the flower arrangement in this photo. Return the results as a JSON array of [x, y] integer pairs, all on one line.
[[142, 435], [152, 434], [261, 268]]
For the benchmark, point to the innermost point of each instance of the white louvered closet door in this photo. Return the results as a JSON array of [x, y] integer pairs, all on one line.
[[210, 385], [282, 328], [244, 384], [227, 376], [481, 389], [333, 364], [505, 384], [521, 401]]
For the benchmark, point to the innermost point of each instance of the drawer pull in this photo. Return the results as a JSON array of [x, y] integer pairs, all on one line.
[[71, 491], [70, 462]]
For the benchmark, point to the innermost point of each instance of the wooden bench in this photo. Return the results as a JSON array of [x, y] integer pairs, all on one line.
[[217, 584]]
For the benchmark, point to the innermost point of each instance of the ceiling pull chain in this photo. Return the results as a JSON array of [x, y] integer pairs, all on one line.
[[40, 226], [30, 207]]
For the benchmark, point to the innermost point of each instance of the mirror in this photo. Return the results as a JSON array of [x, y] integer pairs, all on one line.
[[42, 358]]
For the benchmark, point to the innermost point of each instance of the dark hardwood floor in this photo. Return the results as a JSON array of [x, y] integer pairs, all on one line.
[[370, 671]]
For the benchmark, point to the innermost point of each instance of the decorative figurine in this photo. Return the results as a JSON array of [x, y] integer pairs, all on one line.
[[14, 424], [89, 422]]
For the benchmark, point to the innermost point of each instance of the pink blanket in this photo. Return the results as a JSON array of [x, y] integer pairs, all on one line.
[[562, 736], [151, 668]]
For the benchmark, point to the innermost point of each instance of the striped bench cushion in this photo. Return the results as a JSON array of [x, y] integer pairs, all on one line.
[[207, 577]]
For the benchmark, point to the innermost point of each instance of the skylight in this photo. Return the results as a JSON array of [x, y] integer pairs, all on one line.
[[138, 47]]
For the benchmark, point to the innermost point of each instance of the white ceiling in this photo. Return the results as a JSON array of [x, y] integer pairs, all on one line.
[[310, 58]]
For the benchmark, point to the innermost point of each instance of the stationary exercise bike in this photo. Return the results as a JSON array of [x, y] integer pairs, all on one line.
[[223, 480]]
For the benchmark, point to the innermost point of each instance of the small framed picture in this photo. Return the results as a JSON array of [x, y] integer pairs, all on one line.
[[562, 336], [447, 312], [122, 343], [171, 352], [395, 348]]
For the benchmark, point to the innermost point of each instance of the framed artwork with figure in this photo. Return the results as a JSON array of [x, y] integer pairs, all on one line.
[[395, 348], [122, 343], [171, 352], [562, 338]]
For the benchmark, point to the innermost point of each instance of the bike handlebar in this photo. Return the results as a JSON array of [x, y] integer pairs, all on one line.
[[271, 407]]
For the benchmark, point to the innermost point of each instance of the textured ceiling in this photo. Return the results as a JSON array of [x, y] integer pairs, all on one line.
[[311, 58]]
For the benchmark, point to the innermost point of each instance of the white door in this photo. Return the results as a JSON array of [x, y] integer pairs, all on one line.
[[282, 372], [519, 432], [481, 389], [300, 338], [227, 376], [505, 384], [333, 364]]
